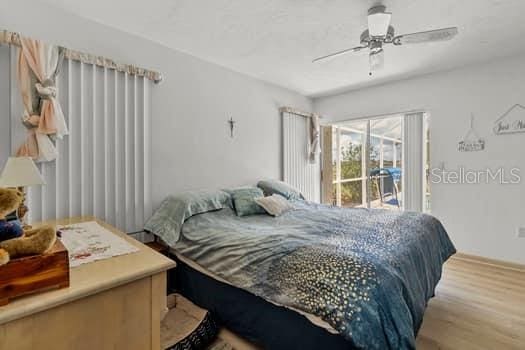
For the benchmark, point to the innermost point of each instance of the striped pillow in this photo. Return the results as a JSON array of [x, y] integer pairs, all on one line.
[[274, 205]]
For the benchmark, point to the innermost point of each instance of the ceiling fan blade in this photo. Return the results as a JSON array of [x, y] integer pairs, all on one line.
[[339, 53], [428, 36]]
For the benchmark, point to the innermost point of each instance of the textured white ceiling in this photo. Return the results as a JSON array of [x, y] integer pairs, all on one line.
[[275, 40]]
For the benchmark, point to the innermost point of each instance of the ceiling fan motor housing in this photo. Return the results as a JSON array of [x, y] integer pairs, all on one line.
[[388, 38], [376, 9], [375, 46]]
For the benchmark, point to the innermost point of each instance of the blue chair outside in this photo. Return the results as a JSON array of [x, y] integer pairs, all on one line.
[[386, 180]]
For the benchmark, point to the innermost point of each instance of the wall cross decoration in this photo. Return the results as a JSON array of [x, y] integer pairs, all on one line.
[[232, 125]]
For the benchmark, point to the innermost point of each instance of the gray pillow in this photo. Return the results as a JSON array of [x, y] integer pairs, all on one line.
[[271, 187], [244, 201], [168, 219]]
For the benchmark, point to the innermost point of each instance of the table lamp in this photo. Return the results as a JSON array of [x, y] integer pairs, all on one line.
[[21, 172]]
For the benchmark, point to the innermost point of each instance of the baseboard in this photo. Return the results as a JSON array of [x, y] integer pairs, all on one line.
[[488, 261]]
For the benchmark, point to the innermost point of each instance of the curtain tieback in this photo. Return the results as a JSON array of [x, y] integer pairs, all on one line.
[[31, 121], [47, 89]]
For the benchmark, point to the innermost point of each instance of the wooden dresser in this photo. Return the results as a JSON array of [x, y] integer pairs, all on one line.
[[116, 303]]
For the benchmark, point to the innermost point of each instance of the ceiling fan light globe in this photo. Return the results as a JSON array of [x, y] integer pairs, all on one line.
[[378, 24]]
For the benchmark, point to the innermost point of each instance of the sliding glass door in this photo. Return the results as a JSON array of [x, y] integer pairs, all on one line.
[[366, 165], [386, 163]]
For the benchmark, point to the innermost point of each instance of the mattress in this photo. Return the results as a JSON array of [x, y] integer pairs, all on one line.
[[315, 320], [262, 323]]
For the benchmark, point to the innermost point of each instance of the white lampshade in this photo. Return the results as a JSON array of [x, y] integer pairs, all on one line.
[[20, 172]]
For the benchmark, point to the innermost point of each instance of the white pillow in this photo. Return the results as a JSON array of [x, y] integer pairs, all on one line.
[[274, 205]]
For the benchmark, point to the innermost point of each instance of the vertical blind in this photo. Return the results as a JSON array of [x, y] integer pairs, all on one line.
[[103, 167], [413, 167], [298, 171]]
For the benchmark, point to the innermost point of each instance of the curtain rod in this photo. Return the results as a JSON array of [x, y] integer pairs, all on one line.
[[298, 112], [12, 38]]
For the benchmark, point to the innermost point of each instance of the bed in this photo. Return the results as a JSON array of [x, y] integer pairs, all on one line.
[[317, 276]]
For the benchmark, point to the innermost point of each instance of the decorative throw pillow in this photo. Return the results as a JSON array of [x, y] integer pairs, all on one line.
[[244, 201], [275, 204], [270, 187]]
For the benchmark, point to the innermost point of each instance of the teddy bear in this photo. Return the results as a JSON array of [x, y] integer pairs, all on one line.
[[14, 241]]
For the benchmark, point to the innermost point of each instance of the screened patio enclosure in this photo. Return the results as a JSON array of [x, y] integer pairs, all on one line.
[[366, 165]]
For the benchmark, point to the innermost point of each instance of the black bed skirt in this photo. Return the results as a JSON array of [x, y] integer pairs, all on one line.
[[263, 323]]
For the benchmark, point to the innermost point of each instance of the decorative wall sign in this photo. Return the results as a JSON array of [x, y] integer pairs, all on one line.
[[512, 121], [471, 142]]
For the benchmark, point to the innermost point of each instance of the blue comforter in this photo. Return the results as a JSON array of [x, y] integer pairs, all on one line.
[[368, 273]]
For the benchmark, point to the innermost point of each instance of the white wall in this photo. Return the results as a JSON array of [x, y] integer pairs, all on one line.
[[191, 143], [481, 219]]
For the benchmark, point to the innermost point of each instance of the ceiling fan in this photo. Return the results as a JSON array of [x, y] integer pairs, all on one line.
[[380, 33]]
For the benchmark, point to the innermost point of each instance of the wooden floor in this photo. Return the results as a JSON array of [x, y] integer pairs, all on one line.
[[477, 306]]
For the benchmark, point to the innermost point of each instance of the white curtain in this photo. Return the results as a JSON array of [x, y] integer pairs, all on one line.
[[413, 155]]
